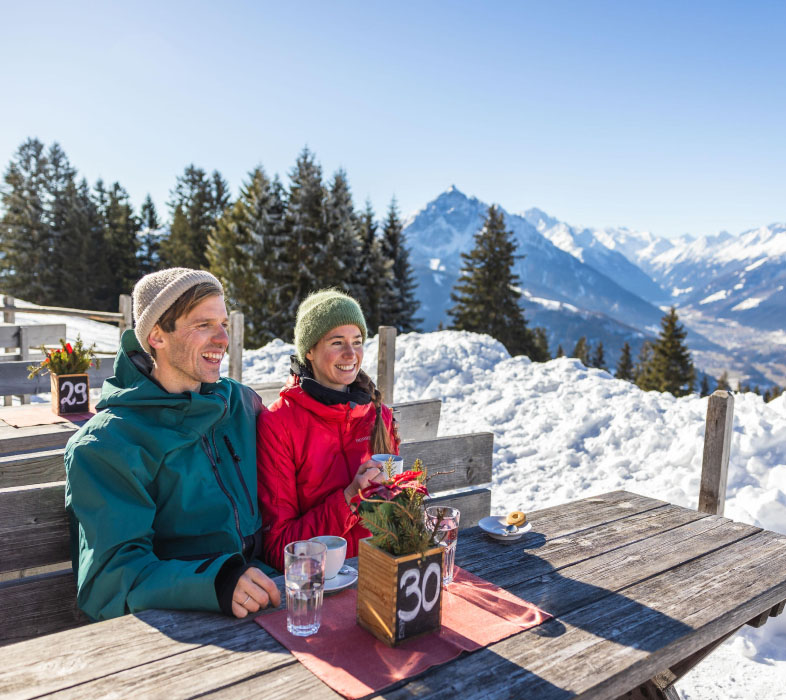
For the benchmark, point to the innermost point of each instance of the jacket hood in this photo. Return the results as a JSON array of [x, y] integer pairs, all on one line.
[[132, 386]]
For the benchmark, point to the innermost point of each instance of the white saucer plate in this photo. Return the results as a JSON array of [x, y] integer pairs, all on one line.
[[341, 580], [494, 526]]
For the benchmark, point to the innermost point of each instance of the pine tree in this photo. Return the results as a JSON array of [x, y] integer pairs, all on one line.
[[150, 238], [121, 232], [372, 277], [244, 251], [197, 202], [342, 234], [541, 350], [723, 382], [25, 232], [398, 309], [670, 368], [625, 364], [92, 264], [560, 351], [643, 374], [704, 390], [581, 351], [486, 296], [308, 251], [64, 237], [598, 358]]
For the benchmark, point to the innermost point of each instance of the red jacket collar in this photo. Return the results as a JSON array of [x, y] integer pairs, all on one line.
[[335, 413]]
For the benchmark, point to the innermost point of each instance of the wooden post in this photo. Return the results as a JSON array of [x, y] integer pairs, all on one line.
[[236, 345], [9, 316], [24, 354], [717, 446], [386, 362], [125, 309]]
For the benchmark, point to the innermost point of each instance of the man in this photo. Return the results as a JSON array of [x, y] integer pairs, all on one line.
[[161, 482]]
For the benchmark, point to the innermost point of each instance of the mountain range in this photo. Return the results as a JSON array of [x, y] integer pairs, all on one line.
[[614, 284]]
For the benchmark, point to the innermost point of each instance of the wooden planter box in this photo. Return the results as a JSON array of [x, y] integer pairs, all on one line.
[[70, 393], [399, 598]]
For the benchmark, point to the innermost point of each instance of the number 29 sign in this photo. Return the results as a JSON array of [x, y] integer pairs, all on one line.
[[70, 393]]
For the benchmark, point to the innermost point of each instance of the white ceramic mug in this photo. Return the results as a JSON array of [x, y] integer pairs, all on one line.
[[336, 553], [398, 462]]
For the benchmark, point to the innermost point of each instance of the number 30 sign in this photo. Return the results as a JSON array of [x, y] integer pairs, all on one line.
[[418, 600], [70, 393]]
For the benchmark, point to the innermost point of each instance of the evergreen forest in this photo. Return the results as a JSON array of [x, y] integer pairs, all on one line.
[[64, 242]]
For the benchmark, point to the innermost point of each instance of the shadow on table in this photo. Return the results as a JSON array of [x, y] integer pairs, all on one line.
[[559, 595]]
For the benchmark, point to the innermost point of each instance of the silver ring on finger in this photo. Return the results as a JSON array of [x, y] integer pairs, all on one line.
[[248, 597]]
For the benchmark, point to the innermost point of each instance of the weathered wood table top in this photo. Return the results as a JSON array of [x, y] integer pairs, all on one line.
[[636, 586]]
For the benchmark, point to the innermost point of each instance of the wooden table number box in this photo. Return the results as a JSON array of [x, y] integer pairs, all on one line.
[[70, 393], [399, 598]]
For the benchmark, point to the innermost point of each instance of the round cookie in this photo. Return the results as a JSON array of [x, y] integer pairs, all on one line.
[[516, 518]]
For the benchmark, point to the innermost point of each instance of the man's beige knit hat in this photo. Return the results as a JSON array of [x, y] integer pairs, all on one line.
[[156, 292]]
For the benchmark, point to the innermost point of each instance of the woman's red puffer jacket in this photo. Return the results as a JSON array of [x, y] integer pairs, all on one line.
[[307, 454]]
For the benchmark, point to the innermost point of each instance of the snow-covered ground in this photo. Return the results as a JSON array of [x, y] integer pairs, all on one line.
[[562, 431]]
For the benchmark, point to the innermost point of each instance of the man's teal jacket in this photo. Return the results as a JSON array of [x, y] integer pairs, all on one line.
[[161, 489]]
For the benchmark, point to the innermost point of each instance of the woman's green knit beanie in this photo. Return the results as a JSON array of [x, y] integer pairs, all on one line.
[[321, 312]]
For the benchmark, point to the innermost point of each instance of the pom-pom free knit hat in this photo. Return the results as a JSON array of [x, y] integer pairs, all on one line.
[[321, 312], [156, 292]]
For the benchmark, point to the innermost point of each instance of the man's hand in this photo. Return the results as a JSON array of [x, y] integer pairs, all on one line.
[[253, 592], [367, 473]]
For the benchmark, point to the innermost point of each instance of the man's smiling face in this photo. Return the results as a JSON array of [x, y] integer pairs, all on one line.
[[191, 354]]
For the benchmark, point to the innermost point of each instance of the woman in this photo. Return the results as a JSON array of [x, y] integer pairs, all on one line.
[[314, 444]]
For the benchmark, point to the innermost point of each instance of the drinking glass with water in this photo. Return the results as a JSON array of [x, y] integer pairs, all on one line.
[[446, 522], [304, 574]]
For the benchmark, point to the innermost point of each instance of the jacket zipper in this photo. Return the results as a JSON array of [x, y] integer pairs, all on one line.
[[209, 452], [236, 461], [342, 435]]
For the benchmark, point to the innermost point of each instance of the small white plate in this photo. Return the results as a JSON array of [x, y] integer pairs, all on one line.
[[494, 526], [341, 580]]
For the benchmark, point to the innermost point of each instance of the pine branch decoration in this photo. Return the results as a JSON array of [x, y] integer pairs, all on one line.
[[393, 512]]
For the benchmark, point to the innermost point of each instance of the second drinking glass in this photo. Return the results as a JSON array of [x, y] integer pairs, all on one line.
[[446, 521]]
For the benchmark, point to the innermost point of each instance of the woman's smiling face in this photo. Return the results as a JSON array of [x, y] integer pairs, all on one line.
[[337, 356]]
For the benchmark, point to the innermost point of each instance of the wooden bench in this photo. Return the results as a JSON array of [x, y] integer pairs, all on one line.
[[35, 455], [22, 338], [34, 532]]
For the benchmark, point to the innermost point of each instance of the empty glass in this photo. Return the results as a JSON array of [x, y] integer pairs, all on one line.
[[304, 574], [446, 521]]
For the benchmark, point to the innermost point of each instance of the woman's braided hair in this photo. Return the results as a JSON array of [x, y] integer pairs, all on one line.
[[380, 437]]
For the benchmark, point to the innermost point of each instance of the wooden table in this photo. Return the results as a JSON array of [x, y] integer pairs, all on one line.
[[637, 586]]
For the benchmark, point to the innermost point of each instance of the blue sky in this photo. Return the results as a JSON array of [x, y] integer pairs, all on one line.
[[665, 116]]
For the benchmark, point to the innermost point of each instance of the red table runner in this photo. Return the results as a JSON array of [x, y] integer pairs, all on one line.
[[475, 613]]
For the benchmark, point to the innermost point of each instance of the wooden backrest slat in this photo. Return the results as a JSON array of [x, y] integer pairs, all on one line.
[[418, 420], [37, 334], [465, 460], [32, 468], [38, 605], [33, 527]]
